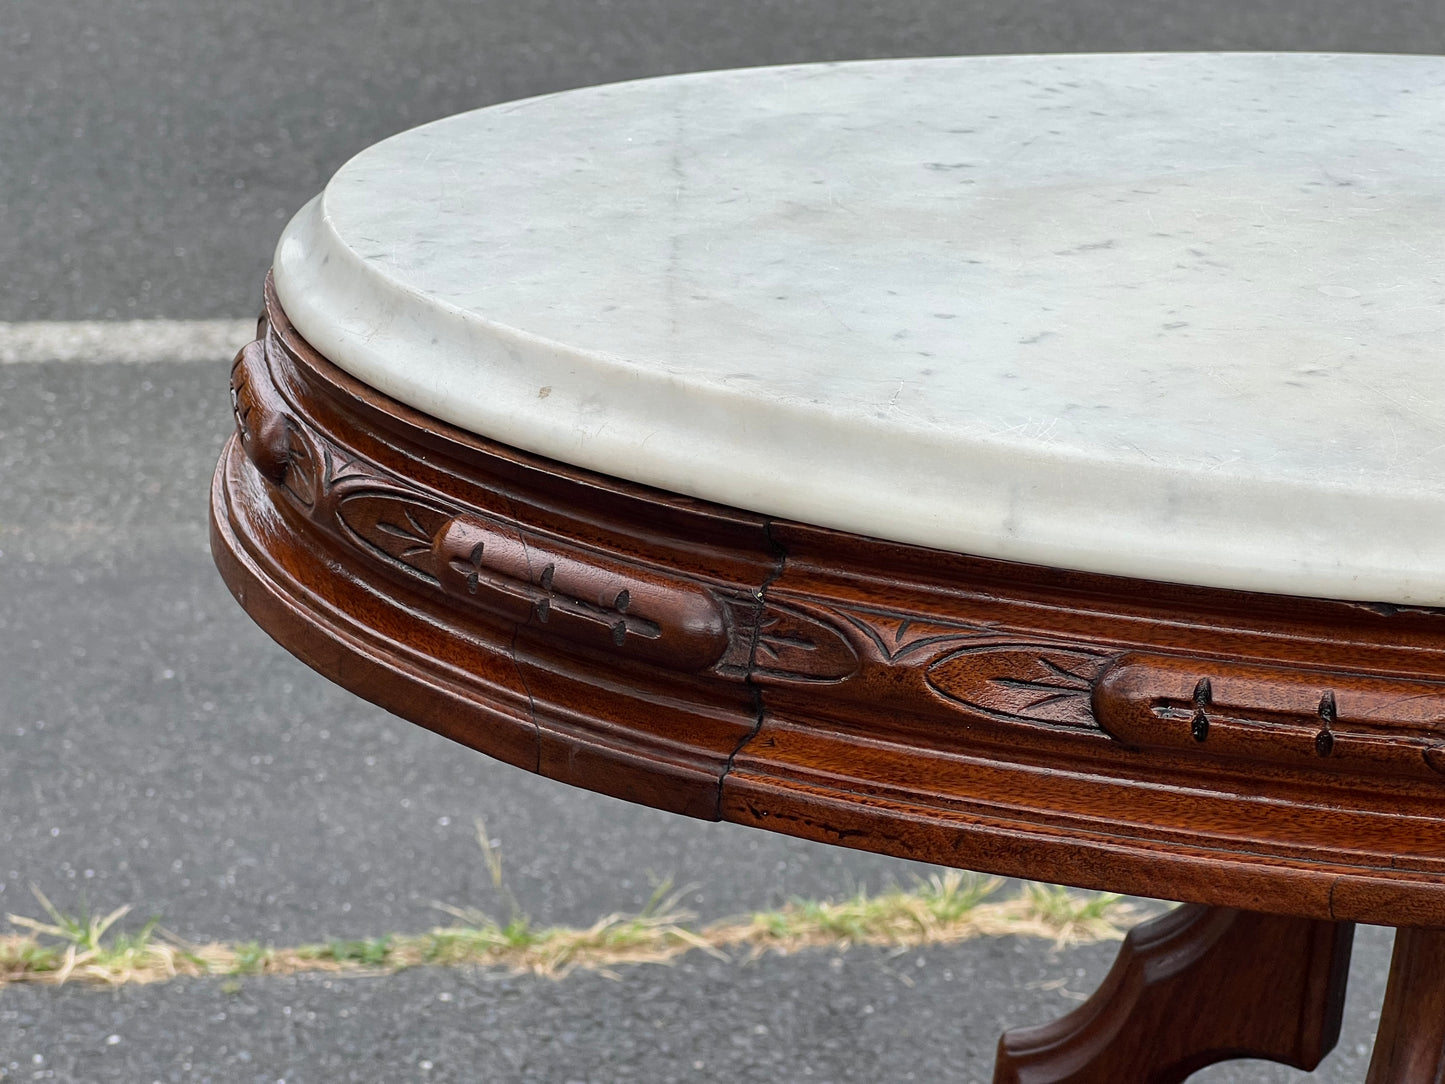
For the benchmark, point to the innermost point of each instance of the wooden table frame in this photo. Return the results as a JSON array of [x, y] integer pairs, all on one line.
[[1277, 762]]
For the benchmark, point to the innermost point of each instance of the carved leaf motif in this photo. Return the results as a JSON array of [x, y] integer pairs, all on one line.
[[349, 473], [794, 646], [393, 527], [1035, 682], [301, 473], [898, 635]]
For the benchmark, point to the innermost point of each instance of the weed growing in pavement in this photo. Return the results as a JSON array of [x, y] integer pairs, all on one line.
[[251, 958], [1074, 916], [934, 909], [371, 952], [945, 907], [76, 947]]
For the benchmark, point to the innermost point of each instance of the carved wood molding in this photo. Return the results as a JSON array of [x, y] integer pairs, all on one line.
[[1127, 733], [1264, 714], [482, 563], [1192, 988]]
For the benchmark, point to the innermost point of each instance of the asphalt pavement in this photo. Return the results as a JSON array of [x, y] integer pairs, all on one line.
[[866, 1016], [152, 150], [157, 749]]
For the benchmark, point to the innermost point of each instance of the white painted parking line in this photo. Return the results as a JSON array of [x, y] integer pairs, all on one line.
[[123, 340]]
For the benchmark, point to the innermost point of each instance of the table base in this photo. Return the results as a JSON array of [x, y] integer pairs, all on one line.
[[1410, 1042], [1191, 988], [1202, 985], [1239, 751]]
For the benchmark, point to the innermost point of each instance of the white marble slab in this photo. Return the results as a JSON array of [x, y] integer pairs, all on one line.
[[1175, 316]]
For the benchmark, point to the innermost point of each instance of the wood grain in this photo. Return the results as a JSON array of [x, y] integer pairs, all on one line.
[[1251, 753], [1227, 748], [1197, 986], [1410, 1043]]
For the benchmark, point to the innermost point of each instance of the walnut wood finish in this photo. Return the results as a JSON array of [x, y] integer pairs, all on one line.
[[1231, 749], [1196, 986], [1243, 750], [1410, 1043]]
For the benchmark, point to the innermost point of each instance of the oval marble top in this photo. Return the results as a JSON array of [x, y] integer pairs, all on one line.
[[1174, 316]]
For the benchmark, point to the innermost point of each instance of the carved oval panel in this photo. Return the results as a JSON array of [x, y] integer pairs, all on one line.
[[398, 529], [795, 646], [1036, 683]]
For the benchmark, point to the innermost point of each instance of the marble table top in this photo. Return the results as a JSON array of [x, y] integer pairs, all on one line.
[[1175, 316]]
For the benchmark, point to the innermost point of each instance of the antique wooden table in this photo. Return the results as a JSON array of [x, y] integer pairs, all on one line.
[[1029, 464]]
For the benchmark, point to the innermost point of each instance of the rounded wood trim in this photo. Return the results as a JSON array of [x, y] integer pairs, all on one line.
[[1245, 750]]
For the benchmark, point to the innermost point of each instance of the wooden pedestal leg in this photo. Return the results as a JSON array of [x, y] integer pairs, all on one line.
[[1193, 987], [1410, 1045]]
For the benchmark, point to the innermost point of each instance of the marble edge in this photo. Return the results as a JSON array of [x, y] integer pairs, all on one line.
[[512, 104], [1003, 501]]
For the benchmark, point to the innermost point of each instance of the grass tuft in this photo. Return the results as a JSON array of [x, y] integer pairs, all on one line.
[[75, 947], [945, 907], [1070, 916]]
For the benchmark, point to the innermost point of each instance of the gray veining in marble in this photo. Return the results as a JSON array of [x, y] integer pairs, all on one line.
[[1178, 316]]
